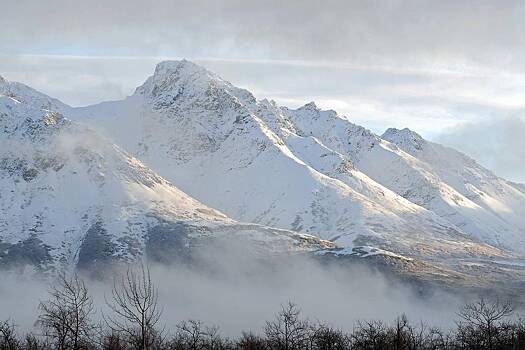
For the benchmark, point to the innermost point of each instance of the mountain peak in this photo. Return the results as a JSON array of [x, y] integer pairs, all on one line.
[[406, 132], [404, 137], [170, 77], [183, 67], [310, 106], [29, 97], [175, 81]]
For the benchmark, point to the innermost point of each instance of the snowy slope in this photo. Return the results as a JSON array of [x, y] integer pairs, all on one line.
[[496, 199], [24, 95], [71, 197], [439, 179], [258, 162]]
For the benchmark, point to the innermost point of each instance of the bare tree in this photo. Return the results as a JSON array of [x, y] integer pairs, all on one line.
[[213, 340], [288, 331], [325, 337], [135, 308], [8, 339], [33, 343], [192, 334], [400, 333], [66, 316], [371, 335], [112, 341], [250, 341], [482, 320]]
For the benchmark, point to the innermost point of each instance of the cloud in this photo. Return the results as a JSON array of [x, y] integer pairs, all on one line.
[[376, 97], [396, 63], [230, 288], [497, 144], [393, 31], [77, 80]]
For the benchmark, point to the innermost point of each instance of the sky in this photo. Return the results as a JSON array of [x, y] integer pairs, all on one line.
[[454, 71]]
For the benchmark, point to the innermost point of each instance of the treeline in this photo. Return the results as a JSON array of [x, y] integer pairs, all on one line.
[[66, 322]]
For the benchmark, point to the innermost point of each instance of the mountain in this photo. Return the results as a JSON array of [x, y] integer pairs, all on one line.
[[71, 197], [305, 170], [116, 181], [437, 178], [487, 206]]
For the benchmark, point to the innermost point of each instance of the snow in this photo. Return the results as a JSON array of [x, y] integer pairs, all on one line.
[[362, 251], [486, 206], [189, 146], [306, 169], [60, 178]]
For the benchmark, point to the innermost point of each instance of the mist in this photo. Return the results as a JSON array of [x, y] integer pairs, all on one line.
[[231, 288]]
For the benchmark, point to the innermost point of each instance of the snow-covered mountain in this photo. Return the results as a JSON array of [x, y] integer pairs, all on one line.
[[113, 181], [308, 170], [493, 206], [71, 197], [429, 175]]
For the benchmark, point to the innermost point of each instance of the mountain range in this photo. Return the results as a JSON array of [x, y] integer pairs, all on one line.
[[190, 156]]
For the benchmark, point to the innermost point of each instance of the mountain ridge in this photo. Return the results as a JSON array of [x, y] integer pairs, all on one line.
[[73, 198], [305, 170], [214, 120]]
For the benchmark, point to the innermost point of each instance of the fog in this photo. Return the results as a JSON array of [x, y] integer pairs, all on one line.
[[236, 290]]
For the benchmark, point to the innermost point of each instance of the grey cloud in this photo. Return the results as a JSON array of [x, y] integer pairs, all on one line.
[[393, 31], [497, 144]]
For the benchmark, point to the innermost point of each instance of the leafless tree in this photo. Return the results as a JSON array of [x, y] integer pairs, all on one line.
[[135, 308], [8, 338], [250, 341], [192, 334], [324, 337], [370, 335], [401, 333], [66, 316], [288, 331], [112, 341], [213, 340], [34, 343], [482, 319]]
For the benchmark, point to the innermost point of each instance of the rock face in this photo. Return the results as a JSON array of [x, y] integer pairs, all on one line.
[[73, 198], [306, 169]]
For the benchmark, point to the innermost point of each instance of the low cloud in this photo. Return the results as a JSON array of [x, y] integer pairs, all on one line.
[[238, 291]]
